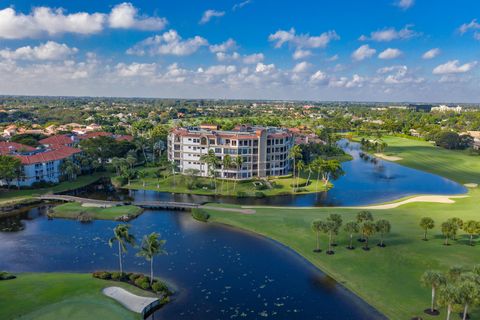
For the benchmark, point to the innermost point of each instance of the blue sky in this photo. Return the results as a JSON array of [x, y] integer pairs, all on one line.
[[369, 50]]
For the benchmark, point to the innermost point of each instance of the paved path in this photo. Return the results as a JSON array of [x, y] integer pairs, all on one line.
[[129, 300], [237, 210], [87, 201], [430, 198]]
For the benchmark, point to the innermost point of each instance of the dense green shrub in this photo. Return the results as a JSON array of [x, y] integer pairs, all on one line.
[[143, 282], [6, 276], [241, 194], [259, 194], [116, 276], [134, 276], [105, 275], [200, 215], [158, 286]]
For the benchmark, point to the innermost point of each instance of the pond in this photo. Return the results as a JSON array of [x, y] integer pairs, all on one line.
[[366, 181], [215, 270]]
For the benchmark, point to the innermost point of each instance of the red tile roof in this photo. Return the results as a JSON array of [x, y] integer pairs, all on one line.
[[8, 147], [95, 134], [124, 137], [57, 140], [50, 155]]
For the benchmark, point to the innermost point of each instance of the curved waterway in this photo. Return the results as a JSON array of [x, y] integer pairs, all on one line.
[[219, 272], [366, 181]]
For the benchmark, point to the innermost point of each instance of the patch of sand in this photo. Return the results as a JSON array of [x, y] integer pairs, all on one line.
[[388, 158], [431, 198], [471, 185], [129, 300]]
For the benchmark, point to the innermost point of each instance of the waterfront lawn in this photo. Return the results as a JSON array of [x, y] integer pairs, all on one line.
[[74, 210], [387, 278], [49, 296], [276, 186], [459, 166], [12, 196]]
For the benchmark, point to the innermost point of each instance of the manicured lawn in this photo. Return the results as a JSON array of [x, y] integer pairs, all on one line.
[[280, 186], [456, 165], [73, 210], [14, 195], [387, 278], [61, 296]]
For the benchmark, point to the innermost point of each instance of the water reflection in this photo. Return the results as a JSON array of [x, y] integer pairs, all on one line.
[[215, 270]]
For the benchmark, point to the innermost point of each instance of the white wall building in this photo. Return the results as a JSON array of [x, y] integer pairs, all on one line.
[[264, 150]]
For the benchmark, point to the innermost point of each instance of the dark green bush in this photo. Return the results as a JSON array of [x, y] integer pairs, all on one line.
[[259, 194], [158, 286], [200, 215], [134, 276], [116, 276], [143, 283], [241, 194], [6, 276], [105, 275]]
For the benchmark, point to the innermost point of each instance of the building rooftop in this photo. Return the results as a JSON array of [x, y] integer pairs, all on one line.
[[48, 155]]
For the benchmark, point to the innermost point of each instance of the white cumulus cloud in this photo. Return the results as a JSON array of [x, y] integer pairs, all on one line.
[[125, 16], [363, 52], [405, 4], [282, 37], [48, 51], [454, 66], [168, 43], [430, 54], [390, 53], [390, 34], [209, 14]]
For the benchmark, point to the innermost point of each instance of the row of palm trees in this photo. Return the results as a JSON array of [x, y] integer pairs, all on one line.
[[364, 225], [459, 288], [213, 162], [451, 227], [324, 167], [150, 246]]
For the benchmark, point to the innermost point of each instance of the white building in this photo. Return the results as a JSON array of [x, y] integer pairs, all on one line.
[[445, 108], [38, 165], [264, 150]]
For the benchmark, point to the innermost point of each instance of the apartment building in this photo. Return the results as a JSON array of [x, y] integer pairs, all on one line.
[[264, 150]]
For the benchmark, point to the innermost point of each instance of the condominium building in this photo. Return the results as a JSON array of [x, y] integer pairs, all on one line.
[[264, 150]]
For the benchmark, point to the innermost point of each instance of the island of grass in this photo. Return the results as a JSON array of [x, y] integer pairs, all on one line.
[[48, 296], [273, 186], [387, 278], [77, 211], [13, 198]]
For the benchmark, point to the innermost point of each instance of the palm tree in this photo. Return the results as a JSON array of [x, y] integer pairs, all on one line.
[[472, 228], [129, 174], [310, 171], [351, 227], [300, 167], [426, 223], [330, 169], [468, 294], [238, 164], [449, 229], [368, 229], [458, 223], [142, 174], [131, 161], [338, 221], [317, 227], [383, 227], [123, 237], [449, 296], [158, 174], [434, 279], [316, 166], [362, 217], [150, 247], [328, 227], [212, 162], [227, 164], [294, 154]]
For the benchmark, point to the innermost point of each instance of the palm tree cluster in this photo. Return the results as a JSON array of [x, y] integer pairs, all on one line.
[[457, 290], [364, 225], [150, 246], [451, 227], [125, 167]]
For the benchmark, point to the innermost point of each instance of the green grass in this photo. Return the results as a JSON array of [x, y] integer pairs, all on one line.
[[459, 166], [12, 196], [281, 185], [73, 210], [50, 296], [386, 278]]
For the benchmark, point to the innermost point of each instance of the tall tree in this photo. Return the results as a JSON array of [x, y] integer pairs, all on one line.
[[238, 165], [351, 227], [294, 154], [458, 223], [426, 224], [433, 279], [317, 227], [226, 165], [328, 227], [123, 237], [9, 168], [368, 229], [151, 246], [468, 294], [449, 229], [472, 228], [383, 227], [449, 296], [337, 221], [362, 217]]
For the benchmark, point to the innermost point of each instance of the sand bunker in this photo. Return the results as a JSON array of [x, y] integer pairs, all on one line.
[[471, 185], [388, 158]]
